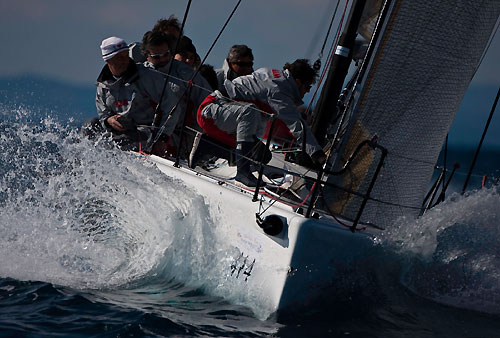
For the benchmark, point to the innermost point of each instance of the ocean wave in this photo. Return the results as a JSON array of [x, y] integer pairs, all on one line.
[[452, 253]]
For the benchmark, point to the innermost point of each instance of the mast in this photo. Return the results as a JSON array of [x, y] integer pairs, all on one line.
[[327, 103]]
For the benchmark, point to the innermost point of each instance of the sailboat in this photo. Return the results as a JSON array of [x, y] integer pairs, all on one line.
[[383, 135]]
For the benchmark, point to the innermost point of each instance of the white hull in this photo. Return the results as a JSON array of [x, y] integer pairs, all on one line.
[[283, 270]]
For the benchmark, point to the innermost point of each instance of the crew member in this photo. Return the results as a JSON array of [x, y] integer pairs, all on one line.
[[258, 96], [239, 62], [126, 98], [157, 48]]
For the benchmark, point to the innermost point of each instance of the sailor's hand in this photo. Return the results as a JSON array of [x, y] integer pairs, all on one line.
[[113, 123]]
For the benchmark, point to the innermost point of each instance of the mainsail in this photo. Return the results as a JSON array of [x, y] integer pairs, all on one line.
[[421, 66]]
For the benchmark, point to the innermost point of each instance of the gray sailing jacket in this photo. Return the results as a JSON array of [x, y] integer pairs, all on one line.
[[182, 71], [278, 89], [135, 96], [223, 74], [135, 52]]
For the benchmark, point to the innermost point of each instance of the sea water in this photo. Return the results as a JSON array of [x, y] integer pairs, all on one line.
[[98, 242]]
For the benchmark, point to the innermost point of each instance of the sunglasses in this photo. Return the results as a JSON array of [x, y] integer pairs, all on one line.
[[243, 64], [159, 56]]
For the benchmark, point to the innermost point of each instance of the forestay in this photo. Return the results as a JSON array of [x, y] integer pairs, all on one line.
[[415, 80]]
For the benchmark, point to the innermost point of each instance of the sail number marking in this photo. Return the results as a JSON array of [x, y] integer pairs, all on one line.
[[242, 266]]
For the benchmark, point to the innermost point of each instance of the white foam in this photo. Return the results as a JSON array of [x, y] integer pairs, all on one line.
[[106, 220], [452, 253]]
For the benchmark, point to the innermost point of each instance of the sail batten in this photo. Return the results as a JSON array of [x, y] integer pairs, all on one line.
[[415, 81]]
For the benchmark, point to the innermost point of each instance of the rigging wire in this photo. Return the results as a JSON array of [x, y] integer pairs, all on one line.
[[329, 28], [158, 114], [481, 142], [220, 33], [317, 64], [330, 58], [295, 206], [190, 83]]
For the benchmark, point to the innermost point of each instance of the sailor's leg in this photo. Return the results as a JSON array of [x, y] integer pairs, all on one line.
[[249, 122], [218, 122]]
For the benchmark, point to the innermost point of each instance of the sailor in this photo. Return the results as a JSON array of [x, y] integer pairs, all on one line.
[[281, 92], [157, 48], [239, 62], [186, 51], [127, 95], [208, 72], [259, 95], [205, 147], [197, 62], [235, 125], [168, 26]]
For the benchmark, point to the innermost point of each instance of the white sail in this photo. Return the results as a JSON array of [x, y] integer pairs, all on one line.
[[421, 67]]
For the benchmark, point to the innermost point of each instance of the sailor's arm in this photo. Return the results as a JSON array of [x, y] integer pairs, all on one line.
[[107, 117], [288, 112]]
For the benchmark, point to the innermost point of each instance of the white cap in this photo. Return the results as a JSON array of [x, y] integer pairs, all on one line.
[[112, 46]]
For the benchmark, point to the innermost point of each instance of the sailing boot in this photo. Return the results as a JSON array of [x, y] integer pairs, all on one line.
[[243, 173]]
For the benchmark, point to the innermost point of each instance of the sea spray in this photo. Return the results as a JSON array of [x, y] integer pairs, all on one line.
[[78, 215], [452, 253]]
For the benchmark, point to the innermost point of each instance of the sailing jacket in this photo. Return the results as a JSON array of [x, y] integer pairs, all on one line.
[[277, 89], [135, 95], [184, 73], [135, 52], [223, 74]]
